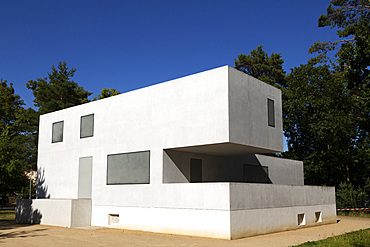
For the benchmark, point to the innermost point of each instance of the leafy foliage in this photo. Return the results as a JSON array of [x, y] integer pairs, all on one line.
[[261, 66], [17, 140], [59, 92], [105, 93], [352, 19], [326, 104], [317, 124], [347, 196]]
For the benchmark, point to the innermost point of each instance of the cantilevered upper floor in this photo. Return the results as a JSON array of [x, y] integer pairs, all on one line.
[[220, 111]]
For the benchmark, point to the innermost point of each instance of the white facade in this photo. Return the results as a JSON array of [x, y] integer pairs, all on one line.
[[206, 128]]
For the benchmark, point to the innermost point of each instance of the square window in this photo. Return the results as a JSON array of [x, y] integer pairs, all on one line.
[[57, 132], [87, 126], [113, 219], [317, 217], [271, 112], [301, 220], [128, 168]]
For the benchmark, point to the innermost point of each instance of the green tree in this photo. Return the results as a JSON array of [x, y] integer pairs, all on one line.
[[105, 93], [347, 196], [352, 19], [326, 109], [17, 140], [59, 92], [262, 66], [317, 125]]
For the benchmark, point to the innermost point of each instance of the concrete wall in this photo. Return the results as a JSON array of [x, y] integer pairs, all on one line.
[[194, 222], [248, 113], [280, 171], [275, 196], [264, 208], [220, 210], [55, 212], [246, 223]]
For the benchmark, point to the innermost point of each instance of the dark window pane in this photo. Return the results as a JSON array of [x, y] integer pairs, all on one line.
[[87, 126], [57, 132], [128, 168], [271, 112]]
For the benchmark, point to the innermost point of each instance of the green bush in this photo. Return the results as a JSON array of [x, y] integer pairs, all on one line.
[[347, 196]]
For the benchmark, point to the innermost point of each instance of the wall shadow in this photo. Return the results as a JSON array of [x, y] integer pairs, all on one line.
[[175, 170], [25, 213], [237, 169], [41, 187], [9, 229], [255, 172]]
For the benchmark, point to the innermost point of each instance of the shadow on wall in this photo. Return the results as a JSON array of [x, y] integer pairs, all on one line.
[[239, 169], [41, 187], [253, 170], [24, 210], [176, 167]]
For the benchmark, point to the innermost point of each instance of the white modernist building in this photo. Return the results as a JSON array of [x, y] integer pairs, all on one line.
[[183, 157]]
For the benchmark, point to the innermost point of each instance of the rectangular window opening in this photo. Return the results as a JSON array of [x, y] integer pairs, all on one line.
[[271, 112], [317, 217], [113, 219], [128, 168], [301, 219], [87, 126], [57, 132]]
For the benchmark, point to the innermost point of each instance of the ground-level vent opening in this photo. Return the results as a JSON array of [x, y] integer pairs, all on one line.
[[317, 217], [301, 219], [113, 219]]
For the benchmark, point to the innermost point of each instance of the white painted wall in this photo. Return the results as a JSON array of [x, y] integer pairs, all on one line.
[[188, 111], [248, 113], [246, 223], [54, 212], [211, 109]]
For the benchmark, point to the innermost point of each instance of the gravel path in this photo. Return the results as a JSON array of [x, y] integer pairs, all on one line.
[[39, 235]]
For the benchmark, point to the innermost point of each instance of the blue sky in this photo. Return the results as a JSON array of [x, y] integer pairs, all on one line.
[[132, 44]]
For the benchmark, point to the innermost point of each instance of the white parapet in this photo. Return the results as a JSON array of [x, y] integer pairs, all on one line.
[[220, 210], [54, 212]]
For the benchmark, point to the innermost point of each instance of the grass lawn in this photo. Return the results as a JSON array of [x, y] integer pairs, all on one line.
[[7, 215], [362, 213], [353, 239]]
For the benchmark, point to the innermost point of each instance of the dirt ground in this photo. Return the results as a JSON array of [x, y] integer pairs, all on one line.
[[12, 234]]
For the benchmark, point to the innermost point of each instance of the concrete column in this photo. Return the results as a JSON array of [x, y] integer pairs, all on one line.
[[156, 166]]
